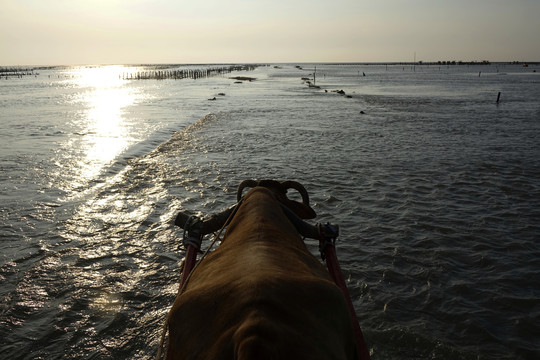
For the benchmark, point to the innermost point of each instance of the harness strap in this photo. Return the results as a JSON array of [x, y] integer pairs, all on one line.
[[192, 243], [327, 241]]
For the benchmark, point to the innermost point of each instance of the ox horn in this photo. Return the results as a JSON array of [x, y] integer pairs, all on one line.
[[244, 184], [298, 187]]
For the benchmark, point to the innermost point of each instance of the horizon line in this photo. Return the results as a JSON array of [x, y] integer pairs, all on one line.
[[420, 62]]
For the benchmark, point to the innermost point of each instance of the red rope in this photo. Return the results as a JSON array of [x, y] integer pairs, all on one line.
[[335, 272], [189, 264]]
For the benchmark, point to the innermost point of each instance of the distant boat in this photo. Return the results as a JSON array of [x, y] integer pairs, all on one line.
[[525, 65]]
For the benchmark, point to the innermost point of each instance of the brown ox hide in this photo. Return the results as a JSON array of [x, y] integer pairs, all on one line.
[[260, 295]]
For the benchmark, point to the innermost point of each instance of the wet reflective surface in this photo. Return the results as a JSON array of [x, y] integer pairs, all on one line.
[[435, 188]]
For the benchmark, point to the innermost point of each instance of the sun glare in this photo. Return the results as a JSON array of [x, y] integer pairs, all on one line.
[[100, 76], [105, 96]]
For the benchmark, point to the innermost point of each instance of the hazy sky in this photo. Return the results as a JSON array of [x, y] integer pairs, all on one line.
[[52, 32]]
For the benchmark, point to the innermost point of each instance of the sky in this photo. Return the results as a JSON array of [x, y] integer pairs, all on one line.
[[70, 32]]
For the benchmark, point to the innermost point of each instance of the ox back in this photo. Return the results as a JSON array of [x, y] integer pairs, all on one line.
[[260, 295]]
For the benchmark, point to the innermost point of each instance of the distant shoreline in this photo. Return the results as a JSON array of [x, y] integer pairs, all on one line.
[[10, 68]]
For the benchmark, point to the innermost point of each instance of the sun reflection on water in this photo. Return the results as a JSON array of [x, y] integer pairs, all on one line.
[[104, 97], [106, 131], [100, 76]]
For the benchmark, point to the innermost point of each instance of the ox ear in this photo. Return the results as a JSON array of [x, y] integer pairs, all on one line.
[[301, 210]]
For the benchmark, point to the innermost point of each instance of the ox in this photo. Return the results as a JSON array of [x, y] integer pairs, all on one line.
[[261, 294]]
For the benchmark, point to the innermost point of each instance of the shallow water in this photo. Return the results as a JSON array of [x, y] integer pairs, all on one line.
[[436, 189]]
